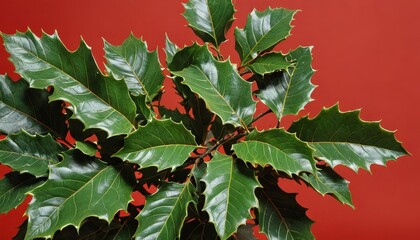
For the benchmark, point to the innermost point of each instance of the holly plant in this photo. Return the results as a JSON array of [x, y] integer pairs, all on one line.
[[102, 157]]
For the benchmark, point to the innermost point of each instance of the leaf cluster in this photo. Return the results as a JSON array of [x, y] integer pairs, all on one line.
[[102, 157]]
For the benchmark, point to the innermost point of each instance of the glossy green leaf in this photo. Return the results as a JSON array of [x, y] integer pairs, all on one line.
[[78, 187], [13, 189], [87, 148], [278, 148], [262, 31], [98, 101], [170, 50], [161, 143], [165, 211], [229, 194], [210, 19], [287, 92], [279, 214], [347, 140], [269, 63], [218, 83], [329, 182], [139, 68], [28, 109], [27, 153]]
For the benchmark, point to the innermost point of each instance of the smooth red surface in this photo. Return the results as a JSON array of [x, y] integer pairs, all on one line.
[[367, 54]]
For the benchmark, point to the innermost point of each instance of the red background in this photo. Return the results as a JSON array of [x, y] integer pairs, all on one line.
[[367, 54]]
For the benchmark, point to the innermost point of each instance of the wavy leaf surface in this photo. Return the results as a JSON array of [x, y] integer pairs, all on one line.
[[165, 211], [27, 153], [161, 143], [262, 31], [13, 189], [341, 138], [269, 63], [225, 92], [210, 19], [277, 148], [229, 194], [98, 101], [280, 215], [28, 109], [78, 187], [287, 92]]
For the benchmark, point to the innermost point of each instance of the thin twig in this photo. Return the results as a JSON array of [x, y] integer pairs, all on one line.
[[260, 116], [217, 145]]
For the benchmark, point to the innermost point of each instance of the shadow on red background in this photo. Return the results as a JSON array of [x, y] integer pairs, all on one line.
[[367, 54]]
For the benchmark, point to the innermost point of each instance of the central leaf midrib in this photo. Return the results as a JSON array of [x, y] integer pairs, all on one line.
[[71, 77], [218, 93], [72, 195], [27, 155], [15, 187]]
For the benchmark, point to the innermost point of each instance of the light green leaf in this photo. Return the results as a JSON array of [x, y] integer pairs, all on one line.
[[278, 148], [269, 63], [78, 187], [139, 68], [27, 153], [161, 143], [347, 140], [262, 31], [98, 101], [229, 194], [165, 211], [218, 83], [287, 92], [28, 109], [210, 19], [279, 214], [329, 182], [13, 189], [87, 148]]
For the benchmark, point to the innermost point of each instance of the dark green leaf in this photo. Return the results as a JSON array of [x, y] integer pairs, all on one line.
[[170, 50], [165, 211], [210, 19], [262, 31], [198, 230], [140, 69], [229, 194], [269, 63], [220, 86], [278, 148], [78, 187], [28, 109], [27, 153], [13, 189], [287, 92], [347, 140], [98, 101], [245, 232], [329, 182], [161, 143], [87, 148], [279, 215]]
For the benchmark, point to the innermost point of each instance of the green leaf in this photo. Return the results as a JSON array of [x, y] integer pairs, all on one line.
[[288, 92], [161, 143], [347, 140], [218, 83], [196, 229], [27, 153], [269, 63], [262, 31], [329, 182], [139, 68], [279, 214], [28, 109], [98, 101], [87, 148], [170, 49], [13, 189], [278, 148], [245, 232], [210, 19], [165, 211], [229, 194], [78, 187]]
